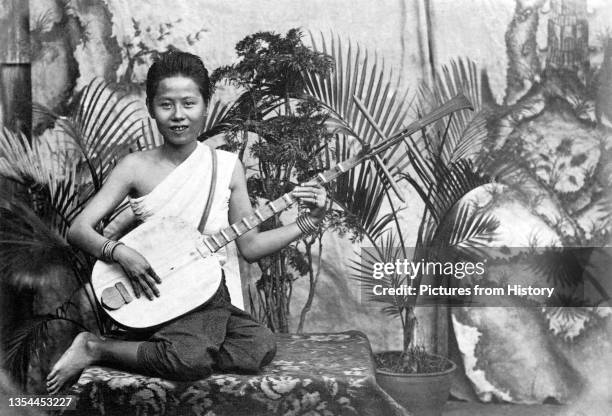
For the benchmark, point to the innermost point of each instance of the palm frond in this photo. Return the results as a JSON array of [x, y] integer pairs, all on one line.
[[387, 250], [360, 192], [29, 245], [441, 185], [461, 136], [14, 162], [468, 228], [103, 127], [50, 173], [23, 344], [27, 341], [22, 161], [217, 119], [392, 311], [149, 135], [359, 74]]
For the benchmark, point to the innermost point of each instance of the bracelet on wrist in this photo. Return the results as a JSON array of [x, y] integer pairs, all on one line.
[[104, 250], [305, 224], [107, 250], [112, 250]]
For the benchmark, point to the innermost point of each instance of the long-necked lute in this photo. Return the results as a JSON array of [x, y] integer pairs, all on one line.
[[186, 261]]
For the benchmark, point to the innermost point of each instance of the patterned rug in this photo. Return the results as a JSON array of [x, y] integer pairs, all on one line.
[[313, 374]]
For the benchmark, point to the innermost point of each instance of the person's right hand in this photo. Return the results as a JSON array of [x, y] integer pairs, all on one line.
[[139, 271]]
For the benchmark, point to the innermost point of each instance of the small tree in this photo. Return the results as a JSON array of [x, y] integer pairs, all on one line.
[[290, 136]]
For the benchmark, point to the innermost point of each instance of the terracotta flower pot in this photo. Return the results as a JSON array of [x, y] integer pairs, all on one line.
[[421, 394]]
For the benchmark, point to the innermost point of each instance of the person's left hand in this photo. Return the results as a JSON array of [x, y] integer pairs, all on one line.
[[314, 197]]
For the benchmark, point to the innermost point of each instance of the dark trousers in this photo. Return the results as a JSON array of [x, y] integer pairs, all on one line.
[[216, 336]]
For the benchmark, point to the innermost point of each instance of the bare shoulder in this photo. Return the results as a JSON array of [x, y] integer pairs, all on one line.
[[138, 160], [134, 165]]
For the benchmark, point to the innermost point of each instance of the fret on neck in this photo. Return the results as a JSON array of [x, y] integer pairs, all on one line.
[[214, 242]]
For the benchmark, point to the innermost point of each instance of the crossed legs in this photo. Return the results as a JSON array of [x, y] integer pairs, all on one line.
[[218, 336]]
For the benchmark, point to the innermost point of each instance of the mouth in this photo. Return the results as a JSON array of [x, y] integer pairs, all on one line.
[[178, 129]]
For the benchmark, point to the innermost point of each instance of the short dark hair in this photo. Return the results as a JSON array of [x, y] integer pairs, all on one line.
[[173, 63]]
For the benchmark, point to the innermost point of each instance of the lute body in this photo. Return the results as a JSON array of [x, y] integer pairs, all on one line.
[[190, 275], [186, 260]]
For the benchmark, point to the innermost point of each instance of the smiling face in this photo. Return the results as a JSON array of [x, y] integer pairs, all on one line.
[[178, 109]]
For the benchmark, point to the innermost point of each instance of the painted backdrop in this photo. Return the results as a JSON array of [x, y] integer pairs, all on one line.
[[546, 70]]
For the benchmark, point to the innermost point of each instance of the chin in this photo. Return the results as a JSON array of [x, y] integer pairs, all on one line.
[[180, 140]]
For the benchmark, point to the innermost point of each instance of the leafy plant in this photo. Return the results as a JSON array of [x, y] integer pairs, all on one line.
[[445, 166], [54, 177], [442, 163], [290, 134]]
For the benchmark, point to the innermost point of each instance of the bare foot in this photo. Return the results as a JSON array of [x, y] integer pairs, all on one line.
[[70, 365]]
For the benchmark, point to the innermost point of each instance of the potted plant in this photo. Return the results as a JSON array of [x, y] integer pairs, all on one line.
[[416, 379], [442, 165]]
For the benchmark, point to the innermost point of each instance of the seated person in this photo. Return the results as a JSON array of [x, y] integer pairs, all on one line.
[[164, 182]]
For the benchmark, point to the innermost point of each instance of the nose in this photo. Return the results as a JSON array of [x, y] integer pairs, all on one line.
[[179, 113]]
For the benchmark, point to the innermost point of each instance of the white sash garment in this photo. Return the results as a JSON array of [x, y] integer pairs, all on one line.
[[184, 192]]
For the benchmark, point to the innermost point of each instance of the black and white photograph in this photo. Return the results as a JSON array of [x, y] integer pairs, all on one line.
[[318, 208]]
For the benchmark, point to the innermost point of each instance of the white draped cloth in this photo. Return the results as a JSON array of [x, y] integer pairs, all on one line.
[[184, 192]]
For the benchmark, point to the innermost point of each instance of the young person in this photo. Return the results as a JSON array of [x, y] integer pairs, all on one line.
[[173, 179]]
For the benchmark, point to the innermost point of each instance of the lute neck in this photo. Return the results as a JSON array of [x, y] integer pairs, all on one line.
[[216, 241]]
